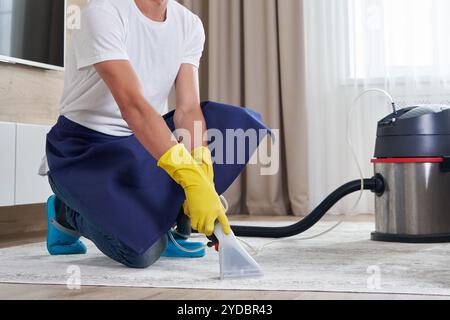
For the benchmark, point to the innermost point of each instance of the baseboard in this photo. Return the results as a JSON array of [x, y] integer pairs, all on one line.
[[18, 221], [22, 239]]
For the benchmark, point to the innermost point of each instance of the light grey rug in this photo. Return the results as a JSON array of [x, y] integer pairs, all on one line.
[[344, 260]]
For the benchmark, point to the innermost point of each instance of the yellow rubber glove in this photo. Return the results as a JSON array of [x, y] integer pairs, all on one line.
[[204, 204], [202, 156]]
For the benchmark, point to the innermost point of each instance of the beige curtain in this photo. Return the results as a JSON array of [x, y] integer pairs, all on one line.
[[255, 58]]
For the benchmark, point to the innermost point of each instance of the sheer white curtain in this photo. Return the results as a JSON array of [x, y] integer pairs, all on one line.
[[402, 46], [6, 7]]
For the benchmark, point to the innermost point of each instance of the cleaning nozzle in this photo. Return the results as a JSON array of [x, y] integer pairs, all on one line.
[[235, 262]]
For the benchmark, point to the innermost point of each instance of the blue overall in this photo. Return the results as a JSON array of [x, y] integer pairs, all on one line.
[[116, 184]]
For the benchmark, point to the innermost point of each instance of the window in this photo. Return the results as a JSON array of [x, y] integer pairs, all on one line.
[[398, 38], [5, 25]]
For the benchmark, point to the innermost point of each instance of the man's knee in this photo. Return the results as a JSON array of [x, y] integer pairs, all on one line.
[[148, 258]]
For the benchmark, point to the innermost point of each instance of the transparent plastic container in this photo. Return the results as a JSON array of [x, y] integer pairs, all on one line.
[[235, 262]]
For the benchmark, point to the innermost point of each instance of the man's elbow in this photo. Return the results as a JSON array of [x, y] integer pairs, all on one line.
[[131, 108], [186, 111]]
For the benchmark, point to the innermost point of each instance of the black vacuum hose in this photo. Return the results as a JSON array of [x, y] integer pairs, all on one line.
[[376, 184]]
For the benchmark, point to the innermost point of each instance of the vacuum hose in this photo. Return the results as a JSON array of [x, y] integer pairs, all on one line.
[[376, 185]]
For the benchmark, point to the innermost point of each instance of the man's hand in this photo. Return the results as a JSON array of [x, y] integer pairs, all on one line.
[[205, 206]]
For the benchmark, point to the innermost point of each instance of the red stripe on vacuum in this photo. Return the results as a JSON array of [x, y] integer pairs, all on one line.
[[408, 160]]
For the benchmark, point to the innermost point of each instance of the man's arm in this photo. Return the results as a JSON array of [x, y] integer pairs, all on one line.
[[188, 111], [149, 127], [151, 130]]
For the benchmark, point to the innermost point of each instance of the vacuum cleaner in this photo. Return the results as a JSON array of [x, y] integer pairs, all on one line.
[[411, 181]]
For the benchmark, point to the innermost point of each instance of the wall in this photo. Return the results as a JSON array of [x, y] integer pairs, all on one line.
[[28, 95], [31, 95]]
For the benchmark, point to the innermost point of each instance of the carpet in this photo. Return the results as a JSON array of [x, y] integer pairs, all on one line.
[[344, 260]]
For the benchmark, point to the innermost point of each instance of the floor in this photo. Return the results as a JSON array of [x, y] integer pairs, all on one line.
[[19, 291]]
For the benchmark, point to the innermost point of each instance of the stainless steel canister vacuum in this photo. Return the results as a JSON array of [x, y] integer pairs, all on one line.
[[413, 157], [411, 181]]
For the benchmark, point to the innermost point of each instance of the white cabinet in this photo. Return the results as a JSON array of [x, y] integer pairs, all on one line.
[[7, 163], [30, 148], [22, 147]]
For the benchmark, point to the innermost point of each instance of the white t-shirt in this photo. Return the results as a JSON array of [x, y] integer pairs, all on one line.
[[118, 30]]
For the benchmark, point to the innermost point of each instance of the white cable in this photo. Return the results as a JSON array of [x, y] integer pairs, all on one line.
[[179, 246], [257, 251], [225, 203], [350, 141]]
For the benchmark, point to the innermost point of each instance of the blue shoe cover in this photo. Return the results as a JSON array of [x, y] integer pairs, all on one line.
[[60, 240], [172, 251]]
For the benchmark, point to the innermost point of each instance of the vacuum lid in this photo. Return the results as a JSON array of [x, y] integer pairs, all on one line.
[[420, 131]]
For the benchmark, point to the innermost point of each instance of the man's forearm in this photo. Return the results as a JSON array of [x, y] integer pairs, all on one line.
[[190, 120], [188, 114], [149, 128]]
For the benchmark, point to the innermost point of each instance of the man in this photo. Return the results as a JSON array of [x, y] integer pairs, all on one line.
[[124, 61]]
